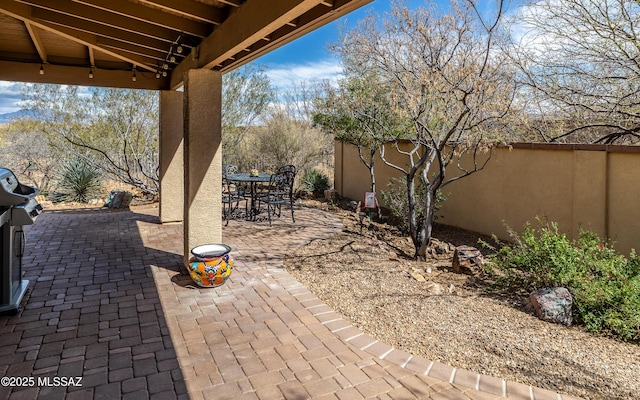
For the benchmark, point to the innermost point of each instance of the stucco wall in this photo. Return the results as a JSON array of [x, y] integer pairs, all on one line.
[[596, 187]]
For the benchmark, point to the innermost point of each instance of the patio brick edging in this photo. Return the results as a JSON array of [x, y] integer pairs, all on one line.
[[352, 335]]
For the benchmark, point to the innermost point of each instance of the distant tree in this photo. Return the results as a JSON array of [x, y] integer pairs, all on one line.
[[446, 76], [25, 151], [246, 95], [578, 61], [113, 130]]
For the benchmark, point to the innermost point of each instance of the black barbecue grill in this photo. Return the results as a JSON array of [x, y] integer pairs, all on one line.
[[18, 207]]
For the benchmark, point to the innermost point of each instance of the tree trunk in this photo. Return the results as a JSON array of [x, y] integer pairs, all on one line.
[[414, 231], [427, 224]]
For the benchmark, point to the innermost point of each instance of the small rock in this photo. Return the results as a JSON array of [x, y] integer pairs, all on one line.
[[434, 289], [330, 194], [428, 270], [418, 277], [451, 289], [553, 305], [393, 256], [467, 260], [439, 247]]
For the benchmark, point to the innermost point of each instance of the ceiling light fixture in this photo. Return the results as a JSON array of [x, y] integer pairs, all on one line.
[[133, 78], [91, 72], [157, 74], [41, 69]]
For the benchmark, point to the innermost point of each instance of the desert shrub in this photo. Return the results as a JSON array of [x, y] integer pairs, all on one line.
[[314, 182], [605, 285], [396, 200], [78, 181], [282, 141]]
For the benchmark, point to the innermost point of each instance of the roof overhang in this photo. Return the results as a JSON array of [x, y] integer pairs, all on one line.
[[107, 42]]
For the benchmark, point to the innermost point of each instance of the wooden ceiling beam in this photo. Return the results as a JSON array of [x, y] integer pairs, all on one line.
[[250, 23], [131, 48], [24, 13], [234, 3], [74, 24], [37, 43], [190, 9], [21, 72], [310, 20], [75, 13], [154, 16]]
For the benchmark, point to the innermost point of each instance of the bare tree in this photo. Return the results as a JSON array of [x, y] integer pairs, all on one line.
[[29, 156], [578, 60], [446, 77], [114, 130]]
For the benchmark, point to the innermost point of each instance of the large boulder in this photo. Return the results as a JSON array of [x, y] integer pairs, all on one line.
[[467, 260], [552, 304]]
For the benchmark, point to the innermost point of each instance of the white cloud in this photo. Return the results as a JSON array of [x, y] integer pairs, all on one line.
[[283, 76], [9, 96]]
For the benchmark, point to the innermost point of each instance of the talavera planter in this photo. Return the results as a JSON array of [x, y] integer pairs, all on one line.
[[210, 265]]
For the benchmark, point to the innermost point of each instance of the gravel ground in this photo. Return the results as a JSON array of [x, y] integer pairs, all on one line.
[[371, 281]]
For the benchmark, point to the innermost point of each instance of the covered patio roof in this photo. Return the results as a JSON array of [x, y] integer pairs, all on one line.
[[107, 42]]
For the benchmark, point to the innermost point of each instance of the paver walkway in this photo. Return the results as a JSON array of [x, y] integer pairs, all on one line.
[[110, 303]]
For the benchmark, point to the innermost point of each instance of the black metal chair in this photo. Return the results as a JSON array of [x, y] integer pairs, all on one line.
[[228, 169], [279, 192], [232, 196], [291, 168]]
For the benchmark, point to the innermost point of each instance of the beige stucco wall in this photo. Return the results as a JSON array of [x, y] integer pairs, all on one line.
[[595, 187]]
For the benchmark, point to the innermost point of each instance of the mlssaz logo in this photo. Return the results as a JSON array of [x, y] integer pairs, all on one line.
[[59, 381]]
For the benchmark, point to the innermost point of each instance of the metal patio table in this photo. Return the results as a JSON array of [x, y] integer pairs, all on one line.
[[253, 182]]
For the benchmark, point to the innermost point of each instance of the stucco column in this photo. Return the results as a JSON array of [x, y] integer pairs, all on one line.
[[202, 159], [171, 156]]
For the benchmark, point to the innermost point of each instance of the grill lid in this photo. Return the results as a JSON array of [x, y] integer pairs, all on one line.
[[12, 192]]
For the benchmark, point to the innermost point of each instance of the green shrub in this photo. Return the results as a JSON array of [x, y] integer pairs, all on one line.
[[314, 182], [605, 285], [79, 181]]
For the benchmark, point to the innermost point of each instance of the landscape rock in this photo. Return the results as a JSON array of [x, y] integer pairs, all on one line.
[[467, 260], [331, 194], [439, 247], [553, 305], [119, 199], [434, 289]]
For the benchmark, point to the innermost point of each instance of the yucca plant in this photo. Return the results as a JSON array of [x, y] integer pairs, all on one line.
[[79, 181]]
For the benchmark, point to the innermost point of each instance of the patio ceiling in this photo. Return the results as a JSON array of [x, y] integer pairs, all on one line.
[[107, 42]]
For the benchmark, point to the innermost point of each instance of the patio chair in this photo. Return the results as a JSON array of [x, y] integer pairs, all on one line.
[[232, 196], [238, 189], [279, 192], [289, 167], [228, 169]]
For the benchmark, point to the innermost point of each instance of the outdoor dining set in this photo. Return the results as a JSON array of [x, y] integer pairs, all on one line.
[[255, 196]]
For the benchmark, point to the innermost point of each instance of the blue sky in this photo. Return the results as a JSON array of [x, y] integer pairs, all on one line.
[[307, 58]]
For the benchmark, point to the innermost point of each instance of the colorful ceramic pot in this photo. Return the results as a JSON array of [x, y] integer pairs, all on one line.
[[210, 265]]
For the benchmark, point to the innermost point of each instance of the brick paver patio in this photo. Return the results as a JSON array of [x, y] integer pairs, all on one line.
[[110, 303]]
